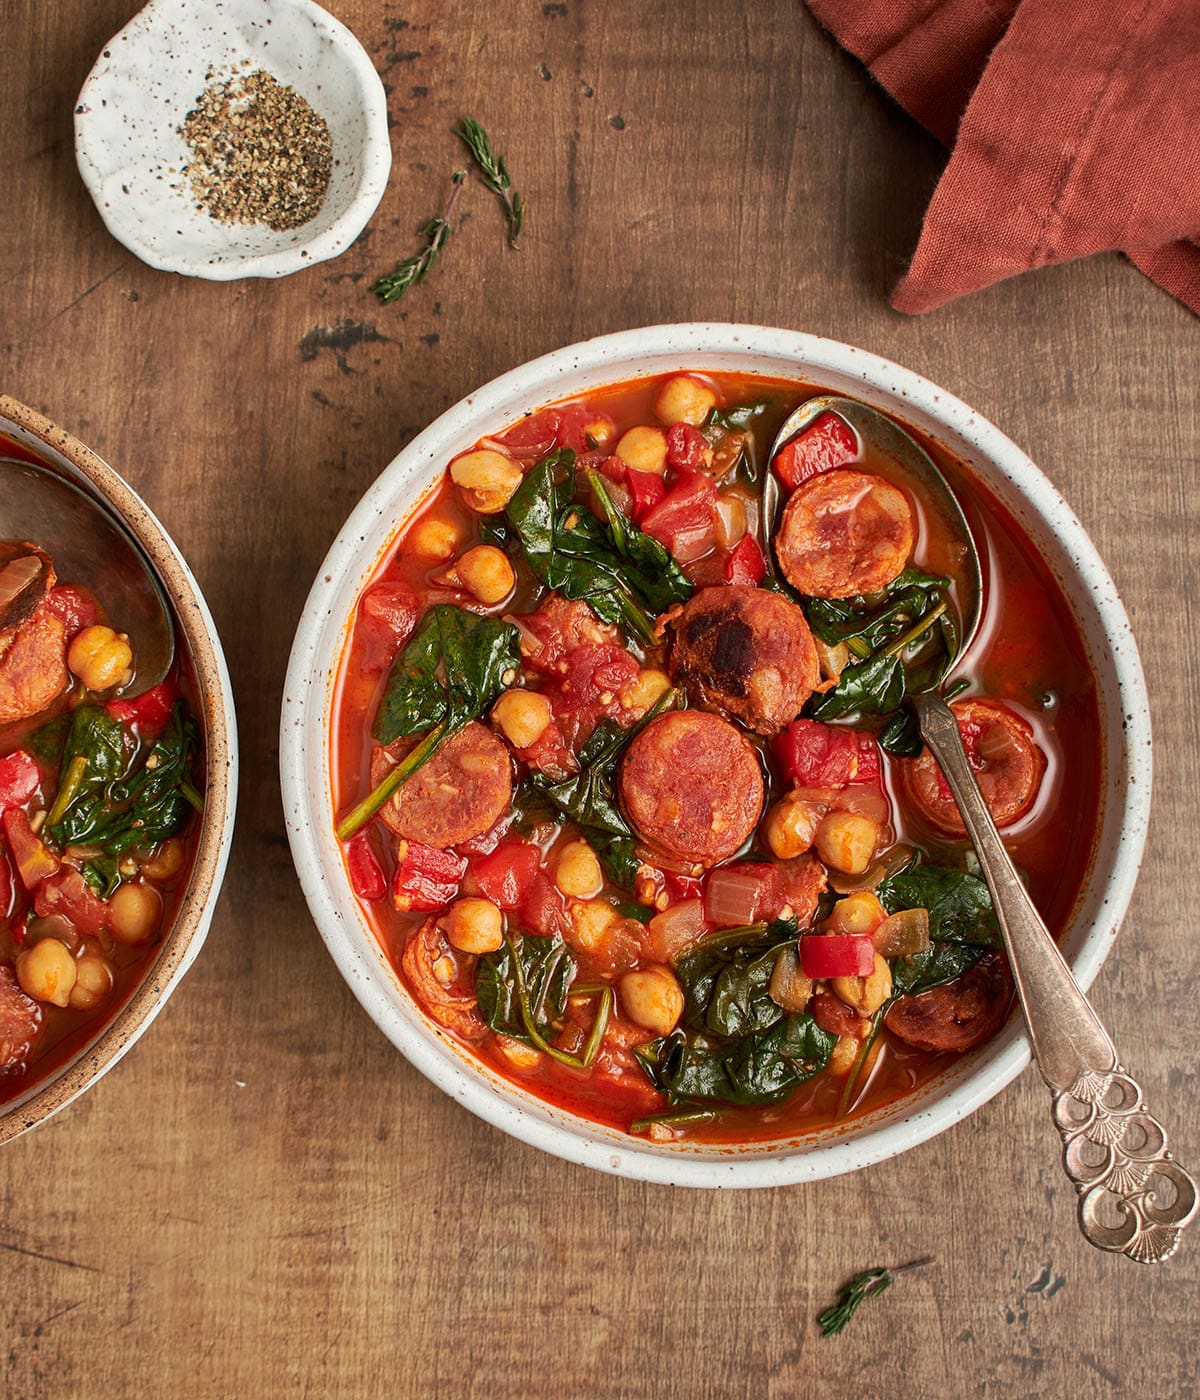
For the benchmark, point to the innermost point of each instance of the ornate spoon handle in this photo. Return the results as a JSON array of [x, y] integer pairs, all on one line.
[[1134, 1198]]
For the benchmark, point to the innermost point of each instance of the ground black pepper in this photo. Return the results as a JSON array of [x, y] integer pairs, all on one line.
[[261, 153]]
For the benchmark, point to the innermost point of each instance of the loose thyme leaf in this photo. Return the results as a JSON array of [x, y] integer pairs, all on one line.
[[869, 1284], [412, 270], [494, 174]]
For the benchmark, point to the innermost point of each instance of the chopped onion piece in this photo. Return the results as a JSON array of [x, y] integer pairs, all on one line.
[[903, 934], [789, 988], [676, 928], [888, 864]]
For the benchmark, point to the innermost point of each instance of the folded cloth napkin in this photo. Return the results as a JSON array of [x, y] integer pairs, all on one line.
[[1074, 127]]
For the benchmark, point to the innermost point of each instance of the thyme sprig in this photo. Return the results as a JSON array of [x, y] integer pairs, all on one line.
[[869, 1284], [494, 174], [435, 232]]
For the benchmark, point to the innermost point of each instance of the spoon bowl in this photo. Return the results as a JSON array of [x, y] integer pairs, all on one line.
[[91, 547]]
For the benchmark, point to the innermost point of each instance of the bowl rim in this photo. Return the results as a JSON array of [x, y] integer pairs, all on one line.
[[186, 936], [308, 688], [374, 160]]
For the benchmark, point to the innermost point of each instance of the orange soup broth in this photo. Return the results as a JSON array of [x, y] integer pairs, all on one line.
[[1028, 653]]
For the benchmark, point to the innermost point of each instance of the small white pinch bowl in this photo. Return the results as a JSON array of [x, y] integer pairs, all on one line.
[[148, 78], [322, 635]]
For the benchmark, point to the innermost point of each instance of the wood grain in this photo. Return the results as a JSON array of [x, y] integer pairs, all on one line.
[[264, 1199]]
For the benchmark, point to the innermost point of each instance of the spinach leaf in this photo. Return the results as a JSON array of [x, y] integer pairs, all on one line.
[[939, 963], [612, 565], [118, 802], [449, 673], [759, 1068], [960, 908], [874, 687], [588, 796], [548, 965], [725, 977], [618, 855], [48, 742], [739, 416], [103, 875]]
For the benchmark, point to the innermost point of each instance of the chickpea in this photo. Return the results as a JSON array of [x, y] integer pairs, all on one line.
[[93, 982], [577, 871], [47, 972], [486, 574], [857, 913], [517, 1054], [652, 998], [134, 913], [166, 862], [474, 925], [846, 841], [435, 539], [100, 657], [523, 716], [590, 920], [644, 449], [865, 994], [488, 480], [791, 827], [650, 687], [683, 399], [600, 430]]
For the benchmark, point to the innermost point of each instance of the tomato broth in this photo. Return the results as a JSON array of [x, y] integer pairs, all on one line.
[[844, 1053]]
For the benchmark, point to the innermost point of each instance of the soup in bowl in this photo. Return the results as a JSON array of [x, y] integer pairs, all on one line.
[[619, 806]]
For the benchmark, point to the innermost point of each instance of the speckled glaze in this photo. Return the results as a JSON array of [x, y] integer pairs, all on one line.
[[322, 633], [197, 633], [147, 79]]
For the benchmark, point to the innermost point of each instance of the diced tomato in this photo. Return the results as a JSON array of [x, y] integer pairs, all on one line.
[[837, 955], [534, 436], [542, 910], [550, 754], [834, 1016], [69, 895], [683, 519], [556, 629], [393, 606], [647, 489], [19, 779], [75, 610], [592, 686], [745, 563], [743, 893], [687, 450], [577, 426], [869, 762], [682, 886], [817, 755], [426, 878], [149, 711], [505, 876], [35, 862], [826, 443], [366, 873]]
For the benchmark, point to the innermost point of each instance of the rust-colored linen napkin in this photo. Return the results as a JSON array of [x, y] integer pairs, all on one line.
[[1074, 128]]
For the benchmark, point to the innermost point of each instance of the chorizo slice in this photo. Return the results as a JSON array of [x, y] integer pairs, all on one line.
[[746, 653], [33, 665], [959, 1015], [26, 576], [1004, 755], [442, 981], [691, 786], [20, 1021], [464, 789], [844, 533]]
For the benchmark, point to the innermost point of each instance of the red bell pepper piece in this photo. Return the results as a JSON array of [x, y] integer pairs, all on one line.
[[67, 893], [683, 519], [745, 562], [426, 878], [647, 489], [687, 449], [837, 955], [366, 874], [19, 779], [506, 875], [148, 712], [826, 443], [35, 862]]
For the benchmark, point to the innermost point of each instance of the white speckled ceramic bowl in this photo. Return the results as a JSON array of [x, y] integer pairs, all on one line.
[[148, 78], [196, 634], [322, 634]]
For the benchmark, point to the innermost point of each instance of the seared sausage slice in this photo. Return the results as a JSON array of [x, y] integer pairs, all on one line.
[[442, 981], [844, 533], [33, 665], [691, 787], [464, 789], [746, 653], [959, 1015], [1004, 754]]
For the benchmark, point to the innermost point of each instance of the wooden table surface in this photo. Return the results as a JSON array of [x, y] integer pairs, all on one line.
[[264, 1198]]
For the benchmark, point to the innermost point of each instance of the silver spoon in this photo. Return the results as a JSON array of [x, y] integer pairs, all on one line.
[[1134, 1198], [91, 547]]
